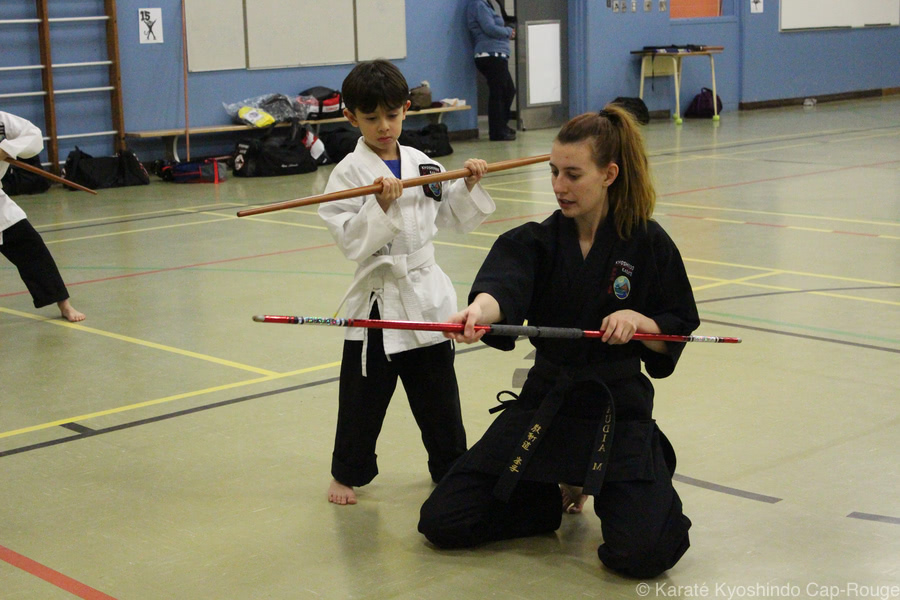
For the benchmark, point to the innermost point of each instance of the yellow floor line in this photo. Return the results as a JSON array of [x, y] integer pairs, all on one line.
[[121, 409], [789, 272], [132, 215], [124, 338], [735, 281], [131, 231]]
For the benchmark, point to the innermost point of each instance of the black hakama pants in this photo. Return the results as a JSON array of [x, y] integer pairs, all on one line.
[[25, 248], [644, 529]]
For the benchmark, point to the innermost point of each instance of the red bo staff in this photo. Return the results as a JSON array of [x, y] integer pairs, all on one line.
[[26, 167], [508, 330], [376, 187]]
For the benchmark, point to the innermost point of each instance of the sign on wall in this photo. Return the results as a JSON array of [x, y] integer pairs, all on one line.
[[150, 24]]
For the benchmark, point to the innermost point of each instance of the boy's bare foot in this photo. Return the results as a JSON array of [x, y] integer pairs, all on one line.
[[69, 312], [338, 493], [572, 498]]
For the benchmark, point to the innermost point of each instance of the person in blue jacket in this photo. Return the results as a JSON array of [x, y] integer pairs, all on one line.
[[490, 36]]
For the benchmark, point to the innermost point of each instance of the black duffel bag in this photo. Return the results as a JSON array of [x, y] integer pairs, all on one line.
[[21, 181], [433, 140], [121, 170], [274, 155]]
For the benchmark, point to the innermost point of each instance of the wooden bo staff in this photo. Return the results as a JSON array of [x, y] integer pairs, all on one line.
[[376, 187], [507, 330], [25, 166]]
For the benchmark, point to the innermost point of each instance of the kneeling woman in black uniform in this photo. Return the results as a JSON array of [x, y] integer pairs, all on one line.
[[584, 417]]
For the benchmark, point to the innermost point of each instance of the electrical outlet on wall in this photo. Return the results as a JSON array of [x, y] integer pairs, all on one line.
[[662, 5], [633, 5], [648, 5]]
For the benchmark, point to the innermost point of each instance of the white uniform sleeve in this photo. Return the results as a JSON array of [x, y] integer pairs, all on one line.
[[358, 225], [23, 139], [462, 210]]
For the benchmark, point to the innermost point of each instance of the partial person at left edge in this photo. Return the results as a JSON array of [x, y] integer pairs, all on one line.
[[19, 241]]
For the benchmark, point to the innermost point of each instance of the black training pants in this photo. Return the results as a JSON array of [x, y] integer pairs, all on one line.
[[25, 248], [644, 530], [429, 379]]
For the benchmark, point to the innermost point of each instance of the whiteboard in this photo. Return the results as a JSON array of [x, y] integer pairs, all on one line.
[[544, 64], [215, 40], [380, 29], [817, 14], [291, 33]]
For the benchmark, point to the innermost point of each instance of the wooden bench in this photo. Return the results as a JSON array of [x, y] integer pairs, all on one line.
[[170, 136]]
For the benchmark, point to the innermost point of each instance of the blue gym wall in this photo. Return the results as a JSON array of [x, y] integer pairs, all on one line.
[[759, 63]]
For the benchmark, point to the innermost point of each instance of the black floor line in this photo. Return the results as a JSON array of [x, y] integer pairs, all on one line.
[[725, 489], [871, 517]]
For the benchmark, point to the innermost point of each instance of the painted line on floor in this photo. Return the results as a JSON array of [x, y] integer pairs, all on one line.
[[119, 220], [63, 582], [725, 489], [815, 338], [166, 399], [138, 342], [85, 432], [183, 267], [871, 517], [128, 218], [778, 226], [133, 231], [89, 433]]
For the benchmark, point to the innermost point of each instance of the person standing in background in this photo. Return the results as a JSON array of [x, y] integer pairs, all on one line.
[[491, 37]]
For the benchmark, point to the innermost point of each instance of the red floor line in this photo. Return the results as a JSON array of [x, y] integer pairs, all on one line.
[[203, 264], [63, 582]]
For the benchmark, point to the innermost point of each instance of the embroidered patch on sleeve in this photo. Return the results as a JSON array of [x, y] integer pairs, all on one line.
[[432, 190]]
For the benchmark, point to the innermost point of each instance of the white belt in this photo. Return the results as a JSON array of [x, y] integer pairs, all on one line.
[[400, 265]]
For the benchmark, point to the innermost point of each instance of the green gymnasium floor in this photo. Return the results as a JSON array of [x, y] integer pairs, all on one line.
[[170, 448]]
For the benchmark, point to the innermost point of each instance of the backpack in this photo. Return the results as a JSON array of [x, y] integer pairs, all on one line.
[[274, 155], [433, 140], [636, 107], [19, 181], [209, 170], [121, 170], [701, 106], [322, 102]]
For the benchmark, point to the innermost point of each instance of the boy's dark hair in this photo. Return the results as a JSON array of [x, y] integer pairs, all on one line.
[[372, 84]]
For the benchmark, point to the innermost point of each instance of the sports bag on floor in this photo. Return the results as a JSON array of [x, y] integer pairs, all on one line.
[[209, 170], [636, 107], [274, 155], [121, 170], [433, 140], [701, 106], [19, 181]]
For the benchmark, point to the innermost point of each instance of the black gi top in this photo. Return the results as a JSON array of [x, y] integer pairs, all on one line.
[[537, 272]]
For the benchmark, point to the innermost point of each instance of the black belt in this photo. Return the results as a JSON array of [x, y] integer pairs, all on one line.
[[564, 379]]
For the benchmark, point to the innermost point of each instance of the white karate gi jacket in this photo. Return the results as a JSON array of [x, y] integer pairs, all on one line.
[[394, 249], [18, 137]]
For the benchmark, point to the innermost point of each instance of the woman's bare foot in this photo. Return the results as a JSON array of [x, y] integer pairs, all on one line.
[[572, 498], [68, 311], [338, 493]]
